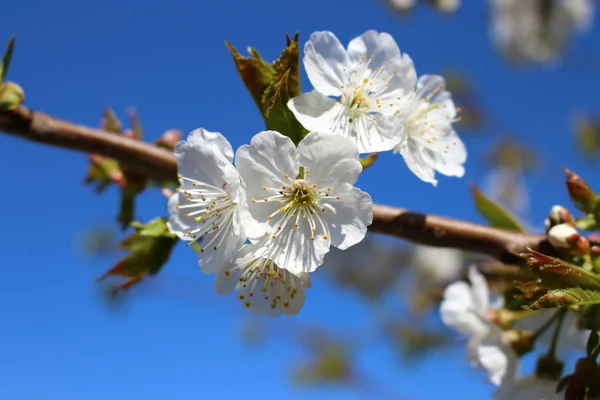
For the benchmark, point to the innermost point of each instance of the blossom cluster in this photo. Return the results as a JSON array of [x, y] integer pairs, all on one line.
[[264, 219], [472, 311]]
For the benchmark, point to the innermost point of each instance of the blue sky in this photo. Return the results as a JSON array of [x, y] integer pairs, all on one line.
[[175, 338]]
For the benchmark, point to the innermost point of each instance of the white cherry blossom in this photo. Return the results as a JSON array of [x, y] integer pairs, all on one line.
[[262, 287], [431, 144], [367, 81], [297, 215], [210, 201], [465, 308], [528, 388], [538, 31]]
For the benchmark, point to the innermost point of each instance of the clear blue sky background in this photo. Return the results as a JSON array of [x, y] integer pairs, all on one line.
[[176, 339]]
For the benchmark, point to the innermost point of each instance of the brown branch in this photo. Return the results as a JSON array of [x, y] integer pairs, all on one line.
[[155, 163]]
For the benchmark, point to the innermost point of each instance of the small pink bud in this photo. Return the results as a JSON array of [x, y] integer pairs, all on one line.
[[129, 133], [96, 159]]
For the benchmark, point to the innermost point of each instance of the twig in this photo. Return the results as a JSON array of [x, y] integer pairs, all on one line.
[[159, 164]]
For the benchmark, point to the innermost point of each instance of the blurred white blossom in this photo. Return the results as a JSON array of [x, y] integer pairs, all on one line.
[[528, 388], [537, 31], [436, 266], [466, 308]]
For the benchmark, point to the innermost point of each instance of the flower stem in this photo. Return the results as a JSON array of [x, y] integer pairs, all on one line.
[[560, 317], [547, 325]]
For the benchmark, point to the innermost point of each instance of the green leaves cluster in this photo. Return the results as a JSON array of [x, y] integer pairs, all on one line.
[[11, 94], [272, 85], [149, 248], [559, 283], [104, 171]]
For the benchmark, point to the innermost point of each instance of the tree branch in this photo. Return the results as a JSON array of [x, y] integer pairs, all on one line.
[[155, 163]]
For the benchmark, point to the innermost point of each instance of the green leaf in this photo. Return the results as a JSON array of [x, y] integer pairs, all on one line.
[[495, 214], [587, 223], [278, 116], [127, 205], [557, 273], [149, 249], [136, 125], [273, 85], [110, 122], [566, 297], [7, 58]]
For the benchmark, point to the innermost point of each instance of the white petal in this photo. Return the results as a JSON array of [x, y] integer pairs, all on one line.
[[206, 156], [479, 289], [529, 388], [458, 312], [211, 260], [347, 217], [325, 59], [226, 241], [495, 358], [300, 249], [265, 163], [178, 223], [384, 49], [375, 134], [330, 159], [317, 112], [417, 160]]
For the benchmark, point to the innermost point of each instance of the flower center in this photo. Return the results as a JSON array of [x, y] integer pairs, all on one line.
[[364, 88], [298, 201], [302, 193]]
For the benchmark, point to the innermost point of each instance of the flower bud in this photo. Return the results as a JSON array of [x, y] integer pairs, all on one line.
[[521, 341], [11, 96], [581, 194], [565, 237], [558, 215], [169, 139], [549, 367]]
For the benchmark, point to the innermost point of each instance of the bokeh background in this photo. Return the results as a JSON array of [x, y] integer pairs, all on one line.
[[369, 328]]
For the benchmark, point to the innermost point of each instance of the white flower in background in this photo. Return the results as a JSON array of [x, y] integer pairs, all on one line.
[[262, 287], [436, 266], [296, 218], [369, 80], [210, 201], [465, 308], [431, 144], [445, 6], [538, 30], [528, 388], [401, 6]]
